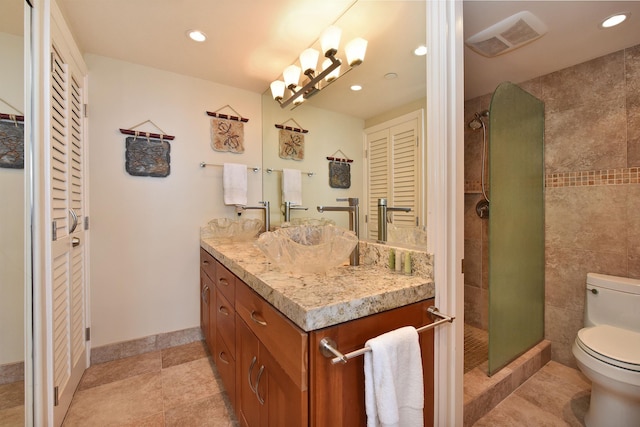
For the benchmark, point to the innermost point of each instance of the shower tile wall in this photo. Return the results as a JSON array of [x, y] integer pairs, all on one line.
[[592, 200]]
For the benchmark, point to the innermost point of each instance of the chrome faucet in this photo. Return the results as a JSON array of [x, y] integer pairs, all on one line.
[[288, 207], [267, 215], [354, 222], [383, 219]]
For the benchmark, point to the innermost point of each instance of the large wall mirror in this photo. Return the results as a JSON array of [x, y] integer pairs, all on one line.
[[14, 291], [393, 81]]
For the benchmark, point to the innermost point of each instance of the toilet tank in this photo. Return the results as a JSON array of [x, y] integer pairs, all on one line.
[[612, 300]]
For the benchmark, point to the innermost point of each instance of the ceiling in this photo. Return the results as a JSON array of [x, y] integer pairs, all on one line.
[[250, 42]]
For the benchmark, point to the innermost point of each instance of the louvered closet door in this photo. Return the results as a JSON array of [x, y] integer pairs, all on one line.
[[379, 177], [404, 172], [67, 248]]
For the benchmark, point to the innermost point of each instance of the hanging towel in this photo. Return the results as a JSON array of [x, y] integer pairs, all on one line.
[[292, 186], [394, 391], [234, 184]]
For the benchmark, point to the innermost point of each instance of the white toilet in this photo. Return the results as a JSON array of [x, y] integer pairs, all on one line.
[[607, 350]]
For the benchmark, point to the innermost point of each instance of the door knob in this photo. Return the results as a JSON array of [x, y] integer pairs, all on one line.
[[75, 241]]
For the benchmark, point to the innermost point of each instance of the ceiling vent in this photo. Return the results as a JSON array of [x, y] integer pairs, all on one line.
[[508, 34]]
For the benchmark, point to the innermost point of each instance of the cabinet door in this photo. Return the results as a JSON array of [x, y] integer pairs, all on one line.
[[247, 369], [285, 405], [207, 299]]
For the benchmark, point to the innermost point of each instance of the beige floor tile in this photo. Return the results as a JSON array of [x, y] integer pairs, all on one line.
[[185, 353], [155, 420], [188, 382], [120, 369], [12, 417], [117, 403], [11, 395], [210, 412], [516, 411]]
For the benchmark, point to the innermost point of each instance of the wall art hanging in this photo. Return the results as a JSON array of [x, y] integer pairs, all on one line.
[[147, 154], [11, 141], [339, 170], [227, 131], [291, 141]]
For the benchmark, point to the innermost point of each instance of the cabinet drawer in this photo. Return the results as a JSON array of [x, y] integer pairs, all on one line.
[[226, 367], [208, 264], [226, 322], [276, 332], [226, 283]]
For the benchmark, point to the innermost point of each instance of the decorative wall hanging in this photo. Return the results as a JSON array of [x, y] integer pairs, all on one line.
[[11, 139], [339, 170], [147, 154], [227, 131], [291, 141]]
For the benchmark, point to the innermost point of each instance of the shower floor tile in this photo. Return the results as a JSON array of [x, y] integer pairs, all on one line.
[[476, 347]]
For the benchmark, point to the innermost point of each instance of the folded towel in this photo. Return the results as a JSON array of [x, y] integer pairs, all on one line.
[[234, 184], [292, 186], [394, 391]]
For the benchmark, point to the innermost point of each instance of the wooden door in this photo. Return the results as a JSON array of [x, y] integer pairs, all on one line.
[[68, 246]]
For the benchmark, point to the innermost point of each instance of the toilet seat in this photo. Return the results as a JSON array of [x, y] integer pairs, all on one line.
[[615, 346]]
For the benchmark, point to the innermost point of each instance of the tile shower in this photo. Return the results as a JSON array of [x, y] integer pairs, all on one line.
[[592, 190]]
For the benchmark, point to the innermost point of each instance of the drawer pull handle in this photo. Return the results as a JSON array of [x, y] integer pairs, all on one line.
[[222, 358], [222, 309], [253, 362], [260, 399], [205, 262], [258, 321], [205, 293], [223, 281]]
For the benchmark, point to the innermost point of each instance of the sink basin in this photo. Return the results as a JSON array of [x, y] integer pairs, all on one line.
[[232, 229], [295, 222], [308, 248]]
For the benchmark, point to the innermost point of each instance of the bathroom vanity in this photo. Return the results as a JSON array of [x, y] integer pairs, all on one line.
[[263, 327]]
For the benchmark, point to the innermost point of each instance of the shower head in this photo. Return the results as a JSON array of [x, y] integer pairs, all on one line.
[[477, 121]]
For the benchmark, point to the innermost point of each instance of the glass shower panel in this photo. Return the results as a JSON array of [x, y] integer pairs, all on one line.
[[516, 224]]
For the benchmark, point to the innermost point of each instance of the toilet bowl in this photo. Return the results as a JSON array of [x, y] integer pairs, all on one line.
[[607, 350]]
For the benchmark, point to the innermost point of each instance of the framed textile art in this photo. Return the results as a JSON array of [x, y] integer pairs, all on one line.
[[291, 145], [227, 135], [339, 175], [11, 144], [147, 157]]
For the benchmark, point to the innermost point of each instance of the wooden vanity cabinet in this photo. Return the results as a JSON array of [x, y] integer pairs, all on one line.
[[337, 391]]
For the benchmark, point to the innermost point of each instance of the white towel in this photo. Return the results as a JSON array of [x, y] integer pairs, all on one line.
[[292, 186], [394, 391], [234, 184]]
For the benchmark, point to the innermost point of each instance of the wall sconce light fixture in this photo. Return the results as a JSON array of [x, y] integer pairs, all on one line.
[[288, 91]]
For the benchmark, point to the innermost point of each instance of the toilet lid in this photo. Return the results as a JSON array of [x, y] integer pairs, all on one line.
[[619, 346]]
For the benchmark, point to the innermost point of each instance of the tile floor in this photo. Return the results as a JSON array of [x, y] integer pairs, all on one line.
[[12, 404], [180, 387]]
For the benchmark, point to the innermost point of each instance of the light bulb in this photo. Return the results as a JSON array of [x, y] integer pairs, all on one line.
[[355, 50], [291, 76], [330, 40], [309, 60]]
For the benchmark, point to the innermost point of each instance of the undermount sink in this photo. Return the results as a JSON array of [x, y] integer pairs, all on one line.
[[308, 248], [232, 229]]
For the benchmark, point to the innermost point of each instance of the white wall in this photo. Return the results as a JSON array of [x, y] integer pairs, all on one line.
[[11, 213], [328, 132], [144, 233]]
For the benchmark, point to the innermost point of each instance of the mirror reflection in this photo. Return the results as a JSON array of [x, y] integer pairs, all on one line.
[[12, 183], [339, 124]]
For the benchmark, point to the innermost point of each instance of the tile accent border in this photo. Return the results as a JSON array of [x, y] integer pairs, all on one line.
[[109, 352], [619, 176]]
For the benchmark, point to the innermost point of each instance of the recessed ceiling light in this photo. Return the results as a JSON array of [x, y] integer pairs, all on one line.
[[420, 50], [356, 88], [614, 20], [196, 35], [390, 76]]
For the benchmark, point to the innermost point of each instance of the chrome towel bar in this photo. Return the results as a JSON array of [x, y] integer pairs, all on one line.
[[329, 350]]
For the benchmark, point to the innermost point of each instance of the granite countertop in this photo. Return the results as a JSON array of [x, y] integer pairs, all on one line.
[[315, 301]]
